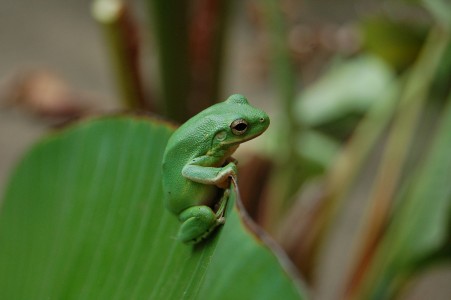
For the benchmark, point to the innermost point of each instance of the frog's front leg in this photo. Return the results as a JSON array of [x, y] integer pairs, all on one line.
[[210, 175], [198, 222]]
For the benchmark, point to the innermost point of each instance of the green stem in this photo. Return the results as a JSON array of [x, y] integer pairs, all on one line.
[[282, 64], [121, 35], [346, 170], [287, 172], [207, 37], [170, 22], [396, 151]]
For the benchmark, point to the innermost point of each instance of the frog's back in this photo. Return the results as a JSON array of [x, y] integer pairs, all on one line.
[[189, 141]]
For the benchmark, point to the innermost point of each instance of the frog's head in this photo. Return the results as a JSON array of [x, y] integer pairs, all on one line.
[[239, 121]]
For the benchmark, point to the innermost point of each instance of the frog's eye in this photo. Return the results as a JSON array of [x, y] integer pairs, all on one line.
[[239, 127]]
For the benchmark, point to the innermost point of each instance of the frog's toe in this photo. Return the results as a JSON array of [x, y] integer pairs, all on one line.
[[198, 223], [190, 236]]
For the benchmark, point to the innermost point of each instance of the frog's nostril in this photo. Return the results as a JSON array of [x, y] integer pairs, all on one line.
[[262, 120]]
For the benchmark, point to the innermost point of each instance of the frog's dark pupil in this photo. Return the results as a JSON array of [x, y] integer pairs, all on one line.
[[241, 126]]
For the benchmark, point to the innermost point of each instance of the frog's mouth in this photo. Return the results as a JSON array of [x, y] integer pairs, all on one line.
[[240, 140]]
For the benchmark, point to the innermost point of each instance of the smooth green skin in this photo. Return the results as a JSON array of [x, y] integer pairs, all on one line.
[[197, 161]]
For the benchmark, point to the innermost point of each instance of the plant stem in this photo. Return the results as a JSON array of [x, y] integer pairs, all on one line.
[[121, 34], [206, 40], [285, 77], [399, 140], [190, 36], [345, 171], [170, 22]]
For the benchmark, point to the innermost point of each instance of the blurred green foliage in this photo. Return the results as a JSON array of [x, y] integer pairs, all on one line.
[[371, 124]]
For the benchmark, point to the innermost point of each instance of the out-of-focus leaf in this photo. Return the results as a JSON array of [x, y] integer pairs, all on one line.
[[420, 225], [318, 148], [441, 10], [350, 87], [396, 42], [84, 218]]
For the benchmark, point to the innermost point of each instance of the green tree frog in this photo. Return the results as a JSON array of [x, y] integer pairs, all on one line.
[[197, 164]]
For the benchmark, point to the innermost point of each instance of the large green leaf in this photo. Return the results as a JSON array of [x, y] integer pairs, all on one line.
[[84, 218]]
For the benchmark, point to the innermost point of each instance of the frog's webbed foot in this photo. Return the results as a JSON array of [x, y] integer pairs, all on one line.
[[200, 221], [220, 206]]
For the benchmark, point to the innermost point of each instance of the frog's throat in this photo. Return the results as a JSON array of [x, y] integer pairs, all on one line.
[[224, 151]]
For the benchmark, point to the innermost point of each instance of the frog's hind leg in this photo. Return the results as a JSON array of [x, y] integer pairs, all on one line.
[[198, 223]]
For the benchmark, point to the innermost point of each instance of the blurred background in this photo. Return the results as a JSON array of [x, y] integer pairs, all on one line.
[[337, 79], [61, 41]]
